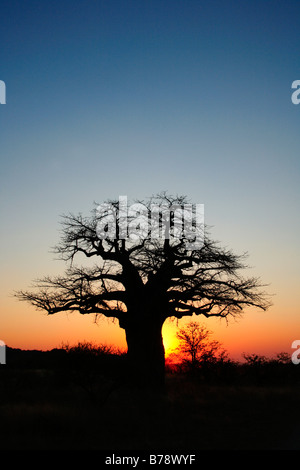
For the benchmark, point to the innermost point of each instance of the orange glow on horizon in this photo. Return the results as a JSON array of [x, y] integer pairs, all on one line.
[[262, 333]]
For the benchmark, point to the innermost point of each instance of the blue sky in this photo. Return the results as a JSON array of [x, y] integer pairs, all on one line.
[[109, 98]]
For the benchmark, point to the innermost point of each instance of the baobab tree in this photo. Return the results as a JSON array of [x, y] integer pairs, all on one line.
[[144, 275]]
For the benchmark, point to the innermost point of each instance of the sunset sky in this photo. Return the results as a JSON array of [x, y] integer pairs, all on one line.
[[109, 98]]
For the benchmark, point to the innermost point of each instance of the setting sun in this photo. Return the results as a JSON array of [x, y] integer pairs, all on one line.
[[169, 339]]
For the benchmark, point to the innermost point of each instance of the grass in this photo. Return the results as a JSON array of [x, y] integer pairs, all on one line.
[[71, 404]]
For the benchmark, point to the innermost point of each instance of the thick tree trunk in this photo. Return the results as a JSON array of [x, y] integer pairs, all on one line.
[[146, 354]]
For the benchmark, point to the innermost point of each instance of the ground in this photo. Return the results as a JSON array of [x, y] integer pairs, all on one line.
[[76, 408]]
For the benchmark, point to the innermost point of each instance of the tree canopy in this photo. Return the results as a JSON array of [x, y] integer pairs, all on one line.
[[143, 264], [185, 281]]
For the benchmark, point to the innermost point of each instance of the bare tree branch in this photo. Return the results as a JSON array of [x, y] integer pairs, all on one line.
[[156, 278]]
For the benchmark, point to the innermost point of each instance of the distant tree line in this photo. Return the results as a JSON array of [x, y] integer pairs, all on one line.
[[202, 358]]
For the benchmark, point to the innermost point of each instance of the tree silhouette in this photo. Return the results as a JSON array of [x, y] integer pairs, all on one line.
[[195, 343], [141, 280]]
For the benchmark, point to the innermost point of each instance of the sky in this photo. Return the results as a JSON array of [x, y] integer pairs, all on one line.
[[132, 98]]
